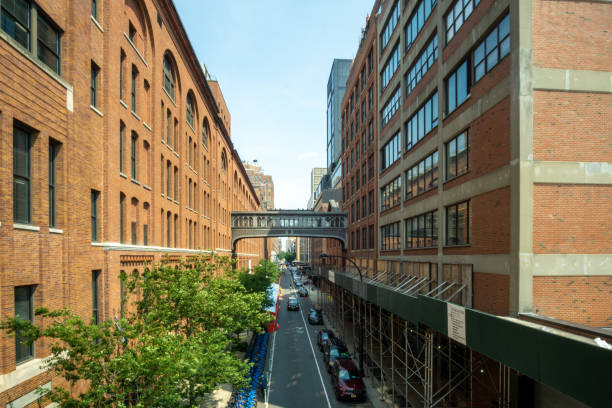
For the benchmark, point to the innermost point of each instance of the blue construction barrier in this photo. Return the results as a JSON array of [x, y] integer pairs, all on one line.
[[247, 397]]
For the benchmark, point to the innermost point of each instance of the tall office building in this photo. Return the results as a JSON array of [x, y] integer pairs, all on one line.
[[336, 85], [262, 183], [316, 174]]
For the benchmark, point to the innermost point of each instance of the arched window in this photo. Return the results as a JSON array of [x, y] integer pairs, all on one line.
[[205, 134], [169, 80], [190, 109], [223, 161]]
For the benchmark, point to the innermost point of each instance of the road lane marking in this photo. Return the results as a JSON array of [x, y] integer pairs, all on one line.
[[269, 380], [315, 358]]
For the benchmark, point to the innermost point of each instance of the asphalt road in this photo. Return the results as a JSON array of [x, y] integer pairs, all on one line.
[[296, 372]]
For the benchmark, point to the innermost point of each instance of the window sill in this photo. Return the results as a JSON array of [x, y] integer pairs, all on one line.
[[163, 141], [420, 248], [169, 198], [25, 227], [123, 175], [176, 202], [147, 187], [169, 97], [56, 230], [175, 153], [163, 195], [146, 126], [136, 49], [134, 114], [123, 104], [458, 246], [135, 181], [97, 24], [93, 108]]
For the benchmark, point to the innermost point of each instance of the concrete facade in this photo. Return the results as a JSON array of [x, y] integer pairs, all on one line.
[[163, 171], [336, 86]]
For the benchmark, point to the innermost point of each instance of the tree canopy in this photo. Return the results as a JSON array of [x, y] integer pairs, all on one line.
[[171, 348]]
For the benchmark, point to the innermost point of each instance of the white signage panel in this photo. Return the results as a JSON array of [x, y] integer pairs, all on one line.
[[332, 276], [456, 322]]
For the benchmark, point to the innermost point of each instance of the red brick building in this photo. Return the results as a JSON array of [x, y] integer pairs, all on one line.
[[494, 153], [116, 150]]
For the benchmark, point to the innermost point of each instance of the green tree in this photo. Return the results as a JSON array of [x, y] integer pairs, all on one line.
[[172, 347], [264, 273]]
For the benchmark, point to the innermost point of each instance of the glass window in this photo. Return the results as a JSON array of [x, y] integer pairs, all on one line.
[[94, 215], [53, 150], [94, 8], [24, 310], [15, 16], [457, 156], [390, 25], [391, 151], [189, 109], [417, 20], [390, 194], [458, 86], [205, 135], [390, 67], [133, 156], [95, 277], [422, 64], [422, 231], [134, 90], [48, 43], [422, 122], [492, 49], [457, 224], [121, 75], [95, 71], [457, 15], [122, 218], [22, 205], [390, 236], [391, 107], [168, 81]]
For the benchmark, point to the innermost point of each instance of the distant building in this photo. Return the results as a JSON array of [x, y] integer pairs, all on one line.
[[263, 184], [315, 178], [336, 85]]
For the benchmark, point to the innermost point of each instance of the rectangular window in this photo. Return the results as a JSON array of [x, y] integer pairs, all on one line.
[[391, 194], [24, 310], [422, 231], [371, 97], [371, 202], [357, 211], [94, 9], [391, 151], [22, 200], [175, 226], [371, 167], [95, 195], [121, 146], [15, 16], [95, 71], [48, 46], [391, 107], [134, 232], [168, 126], [145, 234], [168, 178], [424, 120], [175, 183], [457, 15], [363, 111], [458, 86], [53, 151], [370, 62], [458, 156], [122, 218], [121, 75], [390, 236], [363, 207], [357, 239], [364, 238], [133, 93], [371, 236], [132, 32], [168, 219], [457, 224], [390, 67], [422, 64], [133, 155], [389, 27], [417, 20], [422, 177], [492, 49], [95, 284]]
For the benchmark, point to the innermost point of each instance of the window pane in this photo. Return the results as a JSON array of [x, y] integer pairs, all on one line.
[[451, 225], [462, 83], [452, 92], [462, 223], [23, 311]]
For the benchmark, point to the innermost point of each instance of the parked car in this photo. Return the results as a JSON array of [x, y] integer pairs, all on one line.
[[333, 350], [323, 337], [302, 291], [315, 317], [293, 304], [347, 380]]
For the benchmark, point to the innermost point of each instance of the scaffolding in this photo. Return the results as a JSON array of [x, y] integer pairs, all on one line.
[[414, 365]]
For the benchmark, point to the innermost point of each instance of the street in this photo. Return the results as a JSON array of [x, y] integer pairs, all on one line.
[[296, 371]]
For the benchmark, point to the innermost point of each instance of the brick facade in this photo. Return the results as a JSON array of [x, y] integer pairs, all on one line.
[[210, 179]]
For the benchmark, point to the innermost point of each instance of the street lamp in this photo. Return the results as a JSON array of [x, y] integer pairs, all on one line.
[[323, 256]]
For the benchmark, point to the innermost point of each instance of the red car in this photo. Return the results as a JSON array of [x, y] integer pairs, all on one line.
[[347, 380]]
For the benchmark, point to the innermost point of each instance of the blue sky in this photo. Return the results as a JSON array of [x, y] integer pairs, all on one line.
[[272, 59]]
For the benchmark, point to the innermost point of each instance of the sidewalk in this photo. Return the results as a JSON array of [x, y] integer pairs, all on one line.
[[374, 396]]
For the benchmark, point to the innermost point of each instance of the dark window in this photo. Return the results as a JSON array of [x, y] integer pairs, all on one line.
[[363, 111], [363, 174], [175, 144], [371, 97], [168, 178], [24, 310], [95, 71], [491, 50], [390, 236], [132, 32], [168, 126], [205, 135], [48, 46], [223, 161], [391, 151], [457, 15], [145, 234], [364, 238], [458, 156], [168, 219], [168, 82], [422, 177], [371, 167], [422, 231], [175, 225], [424, 120], [134, 232], [422, 64], [363, 207], [390, 67], [121, 75], [189, 110], [122, 294], [371, 236], [22, 201], [175, 182], [391, 107], [370, 62], [133, 94], [94, 9], [133, 155], [389, 27], [95, 277], [352, 239], [357, 212], [95, 195], [458, 86], [121, 145], [122, 218], [357, 239], [363, 78], [53, 151], [391, 194], [457, 224], [16, 20], [417, 20], [371, 202]]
